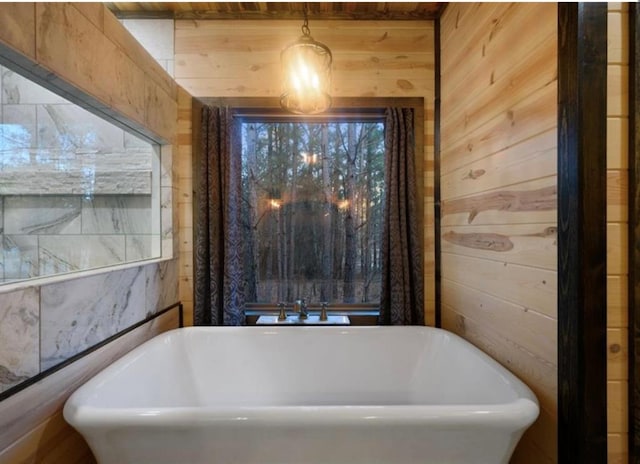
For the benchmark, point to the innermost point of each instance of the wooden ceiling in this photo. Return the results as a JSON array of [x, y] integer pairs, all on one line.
[[279, 10]]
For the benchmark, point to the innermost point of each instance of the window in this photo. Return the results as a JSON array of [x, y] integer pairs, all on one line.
[[313, 201]]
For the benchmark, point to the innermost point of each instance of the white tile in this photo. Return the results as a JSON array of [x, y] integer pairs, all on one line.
[[42, 215], [71, 128], [19, 336], [117, 214], [19, 126], [133, 141], [155, 35], [162, 285], [166, 165], [65, 253], [141, 247], [20, 256], [80, 313], [20, 90], [166, 209]]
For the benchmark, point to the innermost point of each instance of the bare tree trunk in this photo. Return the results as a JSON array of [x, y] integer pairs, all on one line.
[[292, 213], [282, 234], [252, 274], [282, 256], [367, 235], [273, 237], [349, 221], [327, 219]]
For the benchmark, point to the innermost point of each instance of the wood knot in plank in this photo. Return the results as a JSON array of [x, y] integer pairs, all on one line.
[[548, 232], [382, 38], [480, 241], [544, 199], [474, 174], [404, 84], [615, 348]]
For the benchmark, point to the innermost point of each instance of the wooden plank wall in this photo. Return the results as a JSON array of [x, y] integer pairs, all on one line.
[[371, 59], [499, 201], [185, 204], [617, 233]]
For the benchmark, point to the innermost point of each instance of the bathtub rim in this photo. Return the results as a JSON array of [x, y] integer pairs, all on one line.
[[518, 413], [514, 415]]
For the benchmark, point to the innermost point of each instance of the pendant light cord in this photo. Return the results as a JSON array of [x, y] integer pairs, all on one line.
[[305, 25]]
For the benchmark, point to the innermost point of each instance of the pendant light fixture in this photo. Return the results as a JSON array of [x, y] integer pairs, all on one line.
[[306, 68]]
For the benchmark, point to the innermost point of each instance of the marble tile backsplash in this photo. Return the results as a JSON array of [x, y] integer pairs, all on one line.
[[43, 326]]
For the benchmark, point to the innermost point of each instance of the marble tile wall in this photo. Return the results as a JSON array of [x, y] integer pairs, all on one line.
[[76, 191], [19, 336], [43, 326], [46, 235]]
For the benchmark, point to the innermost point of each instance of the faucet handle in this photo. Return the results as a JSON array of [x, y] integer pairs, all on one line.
[[323, 312], [283, 313], [300, 306]]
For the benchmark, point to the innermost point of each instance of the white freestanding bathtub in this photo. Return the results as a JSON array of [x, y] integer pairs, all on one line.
[[303, 395]]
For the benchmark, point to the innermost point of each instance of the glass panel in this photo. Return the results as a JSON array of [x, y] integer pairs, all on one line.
[[76, 192], [313, 199]]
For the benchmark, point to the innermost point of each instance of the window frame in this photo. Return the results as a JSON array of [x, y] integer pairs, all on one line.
[[249, 109]]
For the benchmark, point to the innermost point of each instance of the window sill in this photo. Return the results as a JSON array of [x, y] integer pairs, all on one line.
[[356, 316]]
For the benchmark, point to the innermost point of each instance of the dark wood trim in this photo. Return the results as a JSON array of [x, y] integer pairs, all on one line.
[[428, 12], [269, 16], [436, 178], [341, 103], [582, 270], [634, 235]]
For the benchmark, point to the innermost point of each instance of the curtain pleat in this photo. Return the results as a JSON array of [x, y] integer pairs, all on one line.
[[218, 285], [402, 289]]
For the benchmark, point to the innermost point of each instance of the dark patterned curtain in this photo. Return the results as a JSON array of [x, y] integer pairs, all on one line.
[[401, 301], [219, 290]]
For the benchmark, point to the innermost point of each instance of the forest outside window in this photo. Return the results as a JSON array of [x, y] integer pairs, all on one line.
[[312, 207]]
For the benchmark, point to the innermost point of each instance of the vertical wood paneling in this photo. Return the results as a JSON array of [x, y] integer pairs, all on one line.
[[499, 165], [183, 163], [372, 59]]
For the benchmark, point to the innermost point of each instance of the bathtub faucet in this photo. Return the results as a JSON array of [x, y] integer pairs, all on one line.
[[300, 307]]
